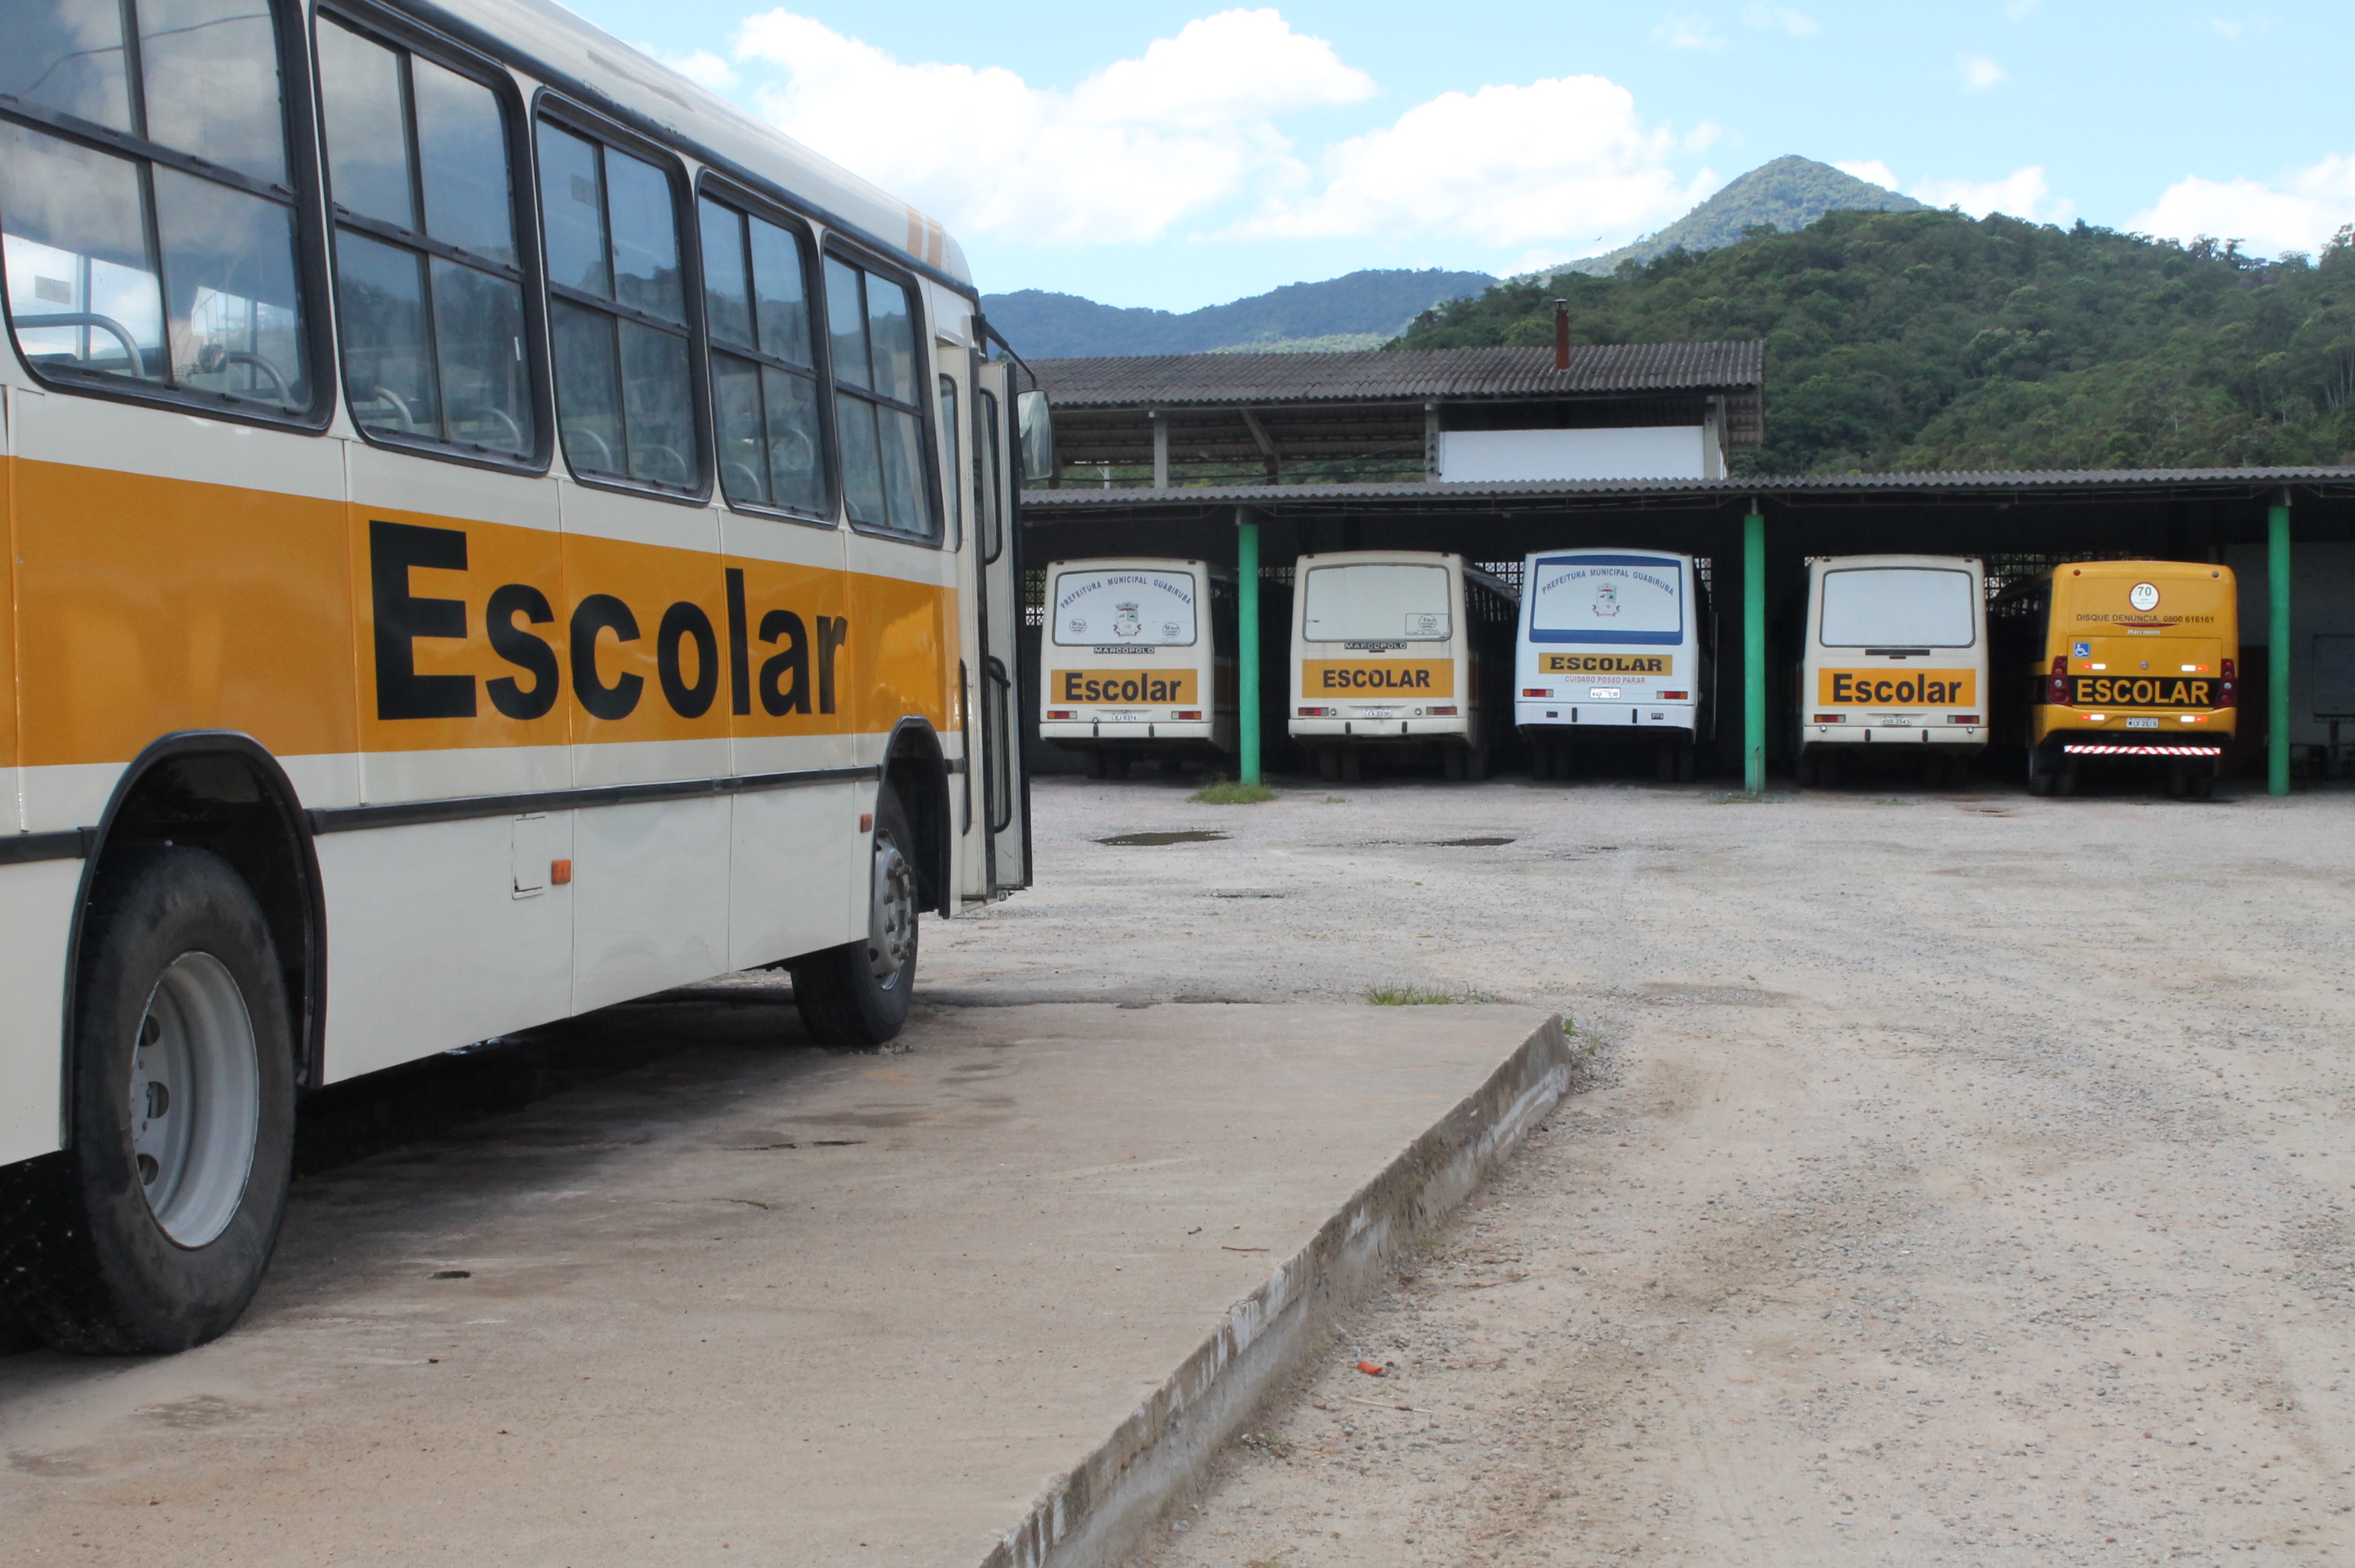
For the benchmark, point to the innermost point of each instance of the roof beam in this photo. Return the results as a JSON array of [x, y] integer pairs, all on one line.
[[1258, 434]]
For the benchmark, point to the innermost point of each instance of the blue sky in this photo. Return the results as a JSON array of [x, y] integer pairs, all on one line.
[[1176, 156]]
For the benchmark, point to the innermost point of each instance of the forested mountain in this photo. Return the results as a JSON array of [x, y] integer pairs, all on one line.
[[1921, 340], [1358, 311], [1788, 193]]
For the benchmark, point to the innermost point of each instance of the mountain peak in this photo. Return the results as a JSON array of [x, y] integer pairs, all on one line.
[[1789, 193]]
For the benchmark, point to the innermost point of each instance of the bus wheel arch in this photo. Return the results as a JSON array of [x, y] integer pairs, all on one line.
[[222, 791], [919, 774]]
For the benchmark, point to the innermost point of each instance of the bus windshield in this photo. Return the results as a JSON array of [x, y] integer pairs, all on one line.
[[1905, 606], [1154, 607], [1373, 602], [1607, 599]]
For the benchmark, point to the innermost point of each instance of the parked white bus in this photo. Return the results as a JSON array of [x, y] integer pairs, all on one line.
[[1615, 651], [496, 531], [1894, 671], [1139, 661], [1399, 651]]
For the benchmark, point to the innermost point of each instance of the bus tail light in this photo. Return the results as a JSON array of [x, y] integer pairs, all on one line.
[[1062, 713], [1536, 691], [1186, 713], [1447, 711], [2227, 689], [1320, 713], [1831, 717], [1675, 697], [2056, 688], [1962, 718]]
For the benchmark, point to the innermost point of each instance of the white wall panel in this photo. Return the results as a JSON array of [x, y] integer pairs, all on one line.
[[429, 948], [1651, 451], [36, 912], [649, 897], [162, 444]]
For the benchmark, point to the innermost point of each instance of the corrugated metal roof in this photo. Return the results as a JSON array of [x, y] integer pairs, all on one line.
[[1080, 496], [1178, 380]]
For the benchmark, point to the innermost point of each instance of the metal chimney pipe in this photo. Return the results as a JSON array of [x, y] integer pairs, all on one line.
[[1562, 335]]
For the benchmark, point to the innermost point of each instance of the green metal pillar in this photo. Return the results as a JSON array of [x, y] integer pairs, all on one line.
[[1247, 644], [2277, 570], [1754, 652]]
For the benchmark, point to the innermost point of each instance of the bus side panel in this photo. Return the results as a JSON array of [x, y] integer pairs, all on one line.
[[236, 616], [788, 842], [429, 947], [649, 898], [35, 914]]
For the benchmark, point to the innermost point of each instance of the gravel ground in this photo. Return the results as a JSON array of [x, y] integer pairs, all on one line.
[[1967, 1182]]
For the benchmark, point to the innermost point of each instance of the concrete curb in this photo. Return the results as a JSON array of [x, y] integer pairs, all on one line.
[[1098, 1515]]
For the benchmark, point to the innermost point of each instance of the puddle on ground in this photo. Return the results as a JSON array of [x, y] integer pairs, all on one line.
[[1149, 840], [1246, 895], [1468, 843]]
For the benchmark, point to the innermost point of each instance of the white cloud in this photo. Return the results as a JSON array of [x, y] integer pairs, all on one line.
[[1871, 170], [1131, 151], [702, 68], [2020, 10], [1505, 165], [2298, 212], [1978, 72], [2232, 29], [1688, 33], [2023, 193], [1797, 24], [1704, 136]]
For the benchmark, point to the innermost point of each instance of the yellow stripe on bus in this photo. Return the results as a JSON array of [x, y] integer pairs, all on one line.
[[148, 605], [1378, 678]]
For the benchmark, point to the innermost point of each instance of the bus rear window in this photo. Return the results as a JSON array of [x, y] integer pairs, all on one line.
[[1902, 606], [1377, 601], [1154, 607], [1604, 598]]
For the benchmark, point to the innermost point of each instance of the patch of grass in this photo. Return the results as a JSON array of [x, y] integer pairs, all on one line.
[[1743, 797], [1411, 995], [1336, 800], [1227, 792]]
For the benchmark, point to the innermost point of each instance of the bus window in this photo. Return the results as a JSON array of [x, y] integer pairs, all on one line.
[[1131, 604], [991, 515], [950, 466], [764, 372], [872, 326], [92, 228], [1897, 606], [624, 392], [426, 282], [1377, 601]]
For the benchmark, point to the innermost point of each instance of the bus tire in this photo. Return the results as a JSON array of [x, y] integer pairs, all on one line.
[[857, 995], [1095, 758], [1353, 764], [1451, 763], [1688, 765], [1475, 763], [1329, 763], [151, 1232]]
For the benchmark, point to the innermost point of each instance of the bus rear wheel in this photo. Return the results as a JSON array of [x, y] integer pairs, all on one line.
[[857, 995], [152, 1231]]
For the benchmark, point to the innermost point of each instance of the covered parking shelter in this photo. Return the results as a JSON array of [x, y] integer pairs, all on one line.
[[2288, 533]]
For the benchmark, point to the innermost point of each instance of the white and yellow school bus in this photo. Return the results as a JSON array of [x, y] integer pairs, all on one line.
[[1399, 651], [1139, 661], [496, 531], [1615, 650], [1895, 670]]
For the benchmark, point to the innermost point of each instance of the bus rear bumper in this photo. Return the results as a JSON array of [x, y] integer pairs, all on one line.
[[1086, 729], [1566, 714], [1356, 729], [1972, 736]]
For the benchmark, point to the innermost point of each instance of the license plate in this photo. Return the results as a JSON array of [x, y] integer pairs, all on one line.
[[2142, 723], [1603, 693], [1896, 723]]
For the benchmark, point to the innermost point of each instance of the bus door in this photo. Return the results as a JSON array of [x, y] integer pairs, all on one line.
[[1005, 794]]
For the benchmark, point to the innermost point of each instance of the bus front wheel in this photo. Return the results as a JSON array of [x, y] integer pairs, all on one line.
[[857, 995], [151, 1232]]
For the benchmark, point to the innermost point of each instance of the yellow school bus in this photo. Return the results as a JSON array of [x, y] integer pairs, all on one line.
[[2125, 662], [496, 531]]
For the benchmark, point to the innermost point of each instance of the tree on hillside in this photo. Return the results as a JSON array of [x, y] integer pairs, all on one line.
[[1929, 340]]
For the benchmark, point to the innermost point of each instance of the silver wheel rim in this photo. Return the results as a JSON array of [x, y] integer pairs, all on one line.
[[891, 913], [196, 1099]]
